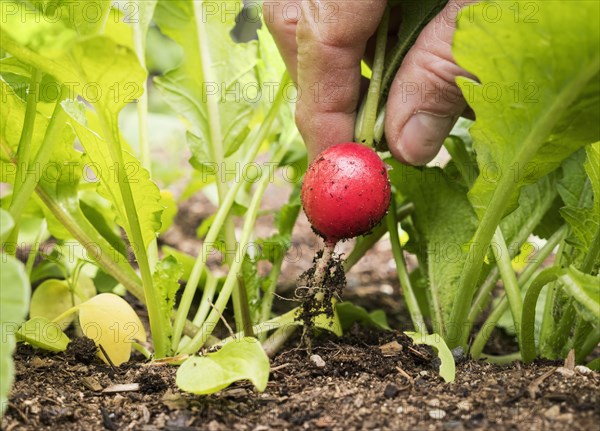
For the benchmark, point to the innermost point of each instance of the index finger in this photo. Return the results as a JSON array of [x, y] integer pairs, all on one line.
[[331, 38]]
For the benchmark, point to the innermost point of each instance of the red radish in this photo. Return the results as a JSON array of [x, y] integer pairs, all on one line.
[[346, 191]]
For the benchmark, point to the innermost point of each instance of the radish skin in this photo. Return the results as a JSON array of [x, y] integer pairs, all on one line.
[[346, 191]]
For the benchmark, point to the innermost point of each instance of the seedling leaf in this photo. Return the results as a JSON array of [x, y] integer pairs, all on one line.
[[447, 366], [111, 322], [43, 333], [237, 360], [53, 297], [349, 313]]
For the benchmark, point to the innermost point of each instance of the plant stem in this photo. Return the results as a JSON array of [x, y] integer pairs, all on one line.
[[583, 328], [66, 313], [559, 337], [210, 287], [142, 350], [96, 246], [24, 149], [526, 276], [267, 301], [276, 341], [592, 254], [502, 360], [367, 124], [483, 296], [145, 159], [511, 285], [24, 183], [285, 321], [210, 323], [590, 343], [35, 248], [215, 145], [403, 277], [110, 130], [499, 201], [80, 228], [222, 212], [245, 308]]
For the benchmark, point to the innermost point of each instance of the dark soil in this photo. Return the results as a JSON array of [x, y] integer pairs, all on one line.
[[364, 380], [367, 380]]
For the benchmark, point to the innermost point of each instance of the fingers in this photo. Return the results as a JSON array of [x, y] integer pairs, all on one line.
[[331, 37], [424, 100], [282, 18]]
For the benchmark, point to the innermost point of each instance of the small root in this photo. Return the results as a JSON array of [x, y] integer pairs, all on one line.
[[318, 286]]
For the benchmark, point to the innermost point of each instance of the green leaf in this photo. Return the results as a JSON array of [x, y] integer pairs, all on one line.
[[184, 259], [584, 222], [252, 282], [6, 224], [447, 366], [350, 313], [573, 183], [167, 200], [534, 202], [103, 69], [415, 15], [233, 64], [594, 364], [580, 191], [53, 297], [145, 193], [14, 301], [79, 14], [331, 324], [64, 163], [543, 78], [238, 360], [445, 222], [44, 334], [99, 215], [285, 218], [270, 65], [166, 281], [585, 289], [592, 168]]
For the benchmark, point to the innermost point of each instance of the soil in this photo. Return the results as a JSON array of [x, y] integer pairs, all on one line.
[[366, 379]]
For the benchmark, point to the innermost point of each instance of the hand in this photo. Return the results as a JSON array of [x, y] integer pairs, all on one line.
[[323, 43]]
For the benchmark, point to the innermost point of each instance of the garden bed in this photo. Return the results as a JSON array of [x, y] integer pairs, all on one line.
[[365, 383]]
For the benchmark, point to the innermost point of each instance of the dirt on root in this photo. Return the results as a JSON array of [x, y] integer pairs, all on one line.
[[364, 380], [317, 298]]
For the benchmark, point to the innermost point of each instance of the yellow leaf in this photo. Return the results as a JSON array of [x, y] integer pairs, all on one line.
[[111, 322], [53, 297]]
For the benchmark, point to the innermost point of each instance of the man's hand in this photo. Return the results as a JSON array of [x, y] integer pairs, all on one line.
[[323, 43]]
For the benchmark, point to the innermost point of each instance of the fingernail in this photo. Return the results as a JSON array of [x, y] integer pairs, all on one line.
[[422, 136]]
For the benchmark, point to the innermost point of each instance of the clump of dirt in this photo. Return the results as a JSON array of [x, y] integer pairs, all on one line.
[[318, 298], [82, 350], [152, 382]]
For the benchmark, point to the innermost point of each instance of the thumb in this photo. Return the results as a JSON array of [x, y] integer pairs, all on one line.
[[424, 100]]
